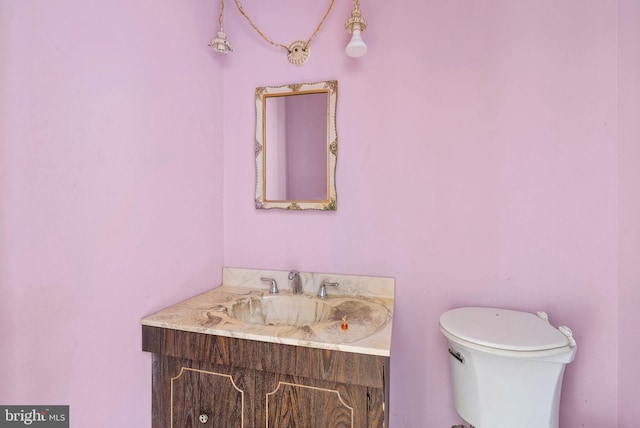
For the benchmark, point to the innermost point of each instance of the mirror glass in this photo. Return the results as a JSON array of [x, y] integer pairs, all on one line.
[[296, 146]]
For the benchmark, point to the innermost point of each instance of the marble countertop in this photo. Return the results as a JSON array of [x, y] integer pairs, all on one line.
[[367, 303]]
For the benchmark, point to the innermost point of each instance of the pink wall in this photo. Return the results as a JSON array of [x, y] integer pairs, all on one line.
[[110, 194], [477, 165], [629, 212], [481, 161]]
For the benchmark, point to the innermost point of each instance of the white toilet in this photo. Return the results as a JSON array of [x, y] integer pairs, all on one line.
[[506, 366]]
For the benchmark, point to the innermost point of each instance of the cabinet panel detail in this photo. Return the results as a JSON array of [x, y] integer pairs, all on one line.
[[187, 392], [322, 407], [209, 390]]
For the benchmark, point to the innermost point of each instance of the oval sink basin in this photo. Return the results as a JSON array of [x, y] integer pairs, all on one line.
[[362, 315], [296, 310]]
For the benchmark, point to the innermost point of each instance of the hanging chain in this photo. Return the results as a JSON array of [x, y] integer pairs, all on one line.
[[268, 40], [221, 13], [319, 24]]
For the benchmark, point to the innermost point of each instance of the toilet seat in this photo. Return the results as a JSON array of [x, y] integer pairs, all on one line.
[[504, 329]]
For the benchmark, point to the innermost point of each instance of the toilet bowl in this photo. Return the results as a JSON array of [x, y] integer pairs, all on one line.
[[506, 366]]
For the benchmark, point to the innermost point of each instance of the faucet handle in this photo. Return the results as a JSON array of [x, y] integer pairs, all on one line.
[[274, 285], [322, 292]]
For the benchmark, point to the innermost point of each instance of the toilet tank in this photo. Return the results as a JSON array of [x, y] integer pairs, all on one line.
[[506, 366]]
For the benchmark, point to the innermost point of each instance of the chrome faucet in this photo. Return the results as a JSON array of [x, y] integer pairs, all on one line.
[[296, 287], [322, 292]]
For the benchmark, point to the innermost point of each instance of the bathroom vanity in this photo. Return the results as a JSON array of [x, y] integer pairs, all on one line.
[[239, 356]]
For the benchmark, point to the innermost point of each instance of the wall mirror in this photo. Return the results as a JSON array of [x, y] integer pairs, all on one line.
[[296, 146]]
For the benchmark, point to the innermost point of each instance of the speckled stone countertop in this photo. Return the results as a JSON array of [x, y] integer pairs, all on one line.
[[366, 302]]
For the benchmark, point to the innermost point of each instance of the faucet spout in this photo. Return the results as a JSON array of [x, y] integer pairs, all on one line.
[[296, 287]]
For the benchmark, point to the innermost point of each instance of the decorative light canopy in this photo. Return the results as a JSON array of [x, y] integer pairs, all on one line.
[[220, 43]]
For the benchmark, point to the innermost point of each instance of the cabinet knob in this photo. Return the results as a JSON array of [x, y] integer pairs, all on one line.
[[203, 418]]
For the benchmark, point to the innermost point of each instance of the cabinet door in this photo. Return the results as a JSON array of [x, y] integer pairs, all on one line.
[[284, 401], [190, 394]]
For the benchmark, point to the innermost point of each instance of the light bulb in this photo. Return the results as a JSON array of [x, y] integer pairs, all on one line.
[[356, 47]]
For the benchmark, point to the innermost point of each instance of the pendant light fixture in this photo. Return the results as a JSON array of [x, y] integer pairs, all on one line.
[[299, 51], [220, 43], [355, 25]]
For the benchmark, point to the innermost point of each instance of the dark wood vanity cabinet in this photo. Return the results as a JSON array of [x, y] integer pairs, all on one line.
[[239, 383]]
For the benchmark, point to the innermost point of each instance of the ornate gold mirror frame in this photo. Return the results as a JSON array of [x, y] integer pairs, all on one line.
[[296, 146]]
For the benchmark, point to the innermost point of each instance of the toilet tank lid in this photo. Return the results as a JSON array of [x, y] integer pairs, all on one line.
[[503, 329]]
